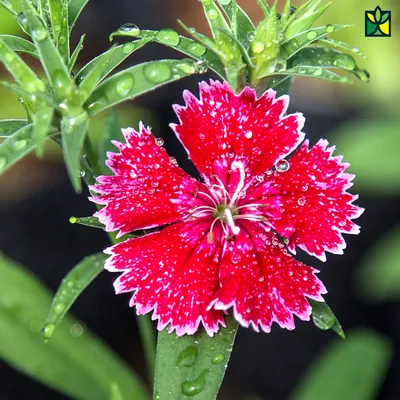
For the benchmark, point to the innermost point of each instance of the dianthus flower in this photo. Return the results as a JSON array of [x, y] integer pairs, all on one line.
[[225, 243]]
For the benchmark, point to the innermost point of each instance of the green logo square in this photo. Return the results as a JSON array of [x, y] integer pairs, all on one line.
[[378, 23]]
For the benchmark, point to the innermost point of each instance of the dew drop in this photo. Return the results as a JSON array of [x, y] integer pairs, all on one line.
[[304, 188], [48, 330], [59, 308], [125, 84], [236, 258], [130, 29], [218, 359], [191, 388], [317, 72], [39, 34], [197, 49], [258, 47], [212, 14], [250, 36], [248, 134], [187, 357], [311, 35], [201, 67], [20, 144], [62, 39], [260, 178], [282, 165], [188, 67], [159, 141], [172, 160], [157, 72], [168, 36], [128, 47], [330, 28], [345, 61], [82, 173], [231, 154], [301, 201], [76, 330]]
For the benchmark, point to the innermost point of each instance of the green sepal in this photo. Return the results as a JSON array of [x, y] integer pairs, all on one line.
[[138, 80], [73, 284], [324, 318], [192, 365]]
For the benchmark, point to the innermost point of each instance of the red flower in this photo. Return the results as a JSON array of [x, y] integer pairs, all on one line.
[[226, 242]]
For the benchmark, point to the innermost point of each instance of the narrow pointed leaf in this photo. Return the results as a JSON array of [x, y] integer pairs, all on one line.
[[341, 45], [8, 6], [20, 45], [138, 80], [92, 222], [186, 46], [75, 7], [9, 126], [97, 69], [303, 39], [111, 131], [76, 53], [298, 11], [116, 392], [63, 38], [306, 21], [73, 132], [56, 12], [215, 18], [313, 72], [286, 13], [74, 362], [192, 365], [42, 124], [73, 284], [27, 79], [53, 63], [241, 23], [324, 318], [264, 7], [354, 369], [16, 146]]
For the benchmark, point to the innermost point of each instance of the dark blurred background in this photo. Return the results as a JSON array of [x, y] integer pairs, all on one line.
[[36, 201]]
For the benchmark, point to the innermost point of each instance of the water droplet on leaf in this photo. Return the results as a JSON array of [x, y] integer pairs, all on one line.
[[330, 28], [168, 36], [128, 47], [218, 359], [39, 34], [130, 29], [212, 14], [311, 35], [187, 357], [197, 49], [125, 84], [157, 72], [191, 388]]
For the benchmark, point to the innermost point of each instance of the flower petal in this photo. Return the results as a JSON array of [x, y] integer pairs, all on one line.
[[316, 208], [173, 272], [223, 127], [263, 283], [146, 190]]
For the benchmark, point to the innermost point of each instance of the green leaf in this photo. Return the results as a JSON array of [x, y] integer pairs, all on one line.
[[116, 392], [73, 132], [73, 284], [63, 38], [348, 369], [9, 126], [184, 45], [326, 57], [76, 53], [7, 6], [241, 23], [341, 45], [138, 80], [52, 61], [324, 318], [75, 7], [97, 69], [303, 39], [19, 70], [20, 45], [307, 20], [312, 72], [371, 147], [16, 146], [264, 7], [111, 131], [74, 361], [92, 222], [378, 276], [56, 14], [42, 124], [192, 365]]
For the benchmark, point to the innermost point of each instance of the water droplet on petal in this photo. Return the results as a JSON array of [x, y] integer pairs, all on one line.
[[301, 201], [248, 134], [282, 165], [172, 160], [236, 258], [159, 141], [260, 177]]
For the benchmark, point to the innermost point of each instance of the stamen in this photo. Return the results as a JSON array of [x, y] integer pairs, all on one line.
[[251, 205], [222, 187], [207, 195], [229, 219], [238, 165]]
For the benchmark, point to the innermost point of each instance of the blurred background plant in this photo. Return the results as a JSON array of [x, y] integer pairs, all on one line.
[[36, 202]]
